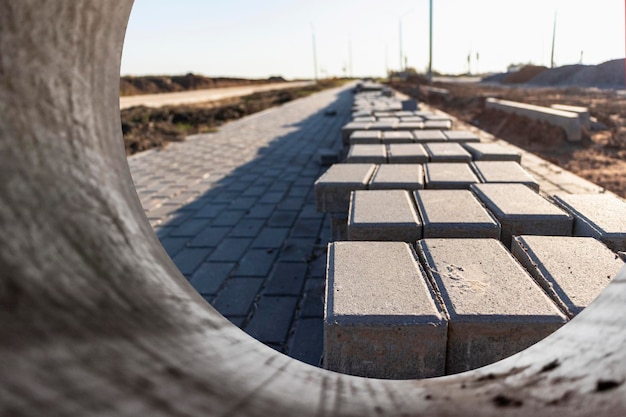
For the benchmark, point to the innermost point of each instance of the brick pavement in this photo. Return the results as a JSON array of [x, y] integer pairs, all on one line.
[[236, 212]]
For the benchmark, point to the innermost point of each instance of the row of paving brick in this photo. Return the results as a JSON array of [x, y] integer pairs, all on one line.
[[472, 303], [235, 210]]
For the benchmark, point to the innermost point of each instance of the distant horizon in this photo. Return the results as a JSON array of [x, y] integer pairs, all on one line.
[[361, 38]]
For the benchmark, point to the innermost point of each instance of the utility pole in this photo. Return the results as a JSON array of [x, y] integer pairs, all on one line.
[[430, 49], [350, 56], [314, 53], [400, 40], [553, 41]]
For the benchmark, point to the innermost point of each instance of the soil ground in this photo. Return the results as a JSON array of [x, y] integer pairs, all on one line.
[[600, 157], [146, 127]]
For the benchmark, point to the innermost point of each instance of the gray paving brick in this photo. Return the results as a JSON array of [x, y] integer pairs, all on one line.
[[447, 152], [173, 245], [461, 136], [237, 295], [448, 175], [210, 276], [422, 136], [404, 136], [398, 177], [482, 286], [365, 137], [521, 211], [406, 153], [287, 278], [247, 228], [209, 237], [307, 344], [334, 186], [260, 211], [493, 152], [257, 262], [306, 227], [282, 218], [602, 216], [571, 270], [403, 337], [504, 172], [243, 203], [228, 218], [190, 228], [271, 237], [230, 249], [272, 319], [188, 259], [297, 249], [361, 154], [210, 211]]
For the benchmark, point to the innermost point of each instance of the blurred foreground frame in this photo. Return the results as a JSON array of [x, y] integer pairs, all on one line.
[[95, 318]]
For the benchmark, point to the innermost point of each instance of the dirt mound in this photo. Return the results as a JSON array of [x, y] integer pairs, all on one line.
[[154, 84], [525, 74], [608, 75]]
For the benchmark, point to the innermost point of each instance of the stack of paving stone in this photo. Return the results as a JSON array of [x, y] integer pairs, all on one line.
[[445, 256]]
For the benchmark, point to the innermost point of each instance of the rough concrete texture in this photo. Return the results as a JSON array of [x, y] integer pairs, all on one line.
[[339, 226], [429, 136], [448, 175], [404, 136], [332, 189], [494, 307], [360, 154], [381, 319], [572, 270], [398, 177], [365, 137], [602, 216], [388, 215], [455, 214], [447, 152], [521, 211], [461, 136], [504, 172], [406, 153], [351, 127], [493, 152]]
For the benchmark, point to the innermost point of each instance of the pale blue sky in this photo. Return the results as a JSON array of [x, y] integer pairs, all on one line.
[[257, 39]]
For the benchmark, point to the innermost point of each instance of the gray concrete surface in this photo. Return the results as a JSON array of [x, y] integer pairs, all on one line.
[[365, 137], [494, 308], [366, 336], [455, 214], [406, 153], [434, 135], [363, 154], [461, 136], [404, 136], [448, 175], [383, 215], [602, 216], [521, 211], [571, 270], [398, 177], [504, 172], [447, 152], [493, 152], [333, 188]]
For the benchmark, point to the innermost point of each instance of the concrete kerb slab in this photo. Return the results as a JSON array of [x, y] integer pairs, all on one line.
[[398, 177], [520, 210], [493, 152], [448, 175], [423, 136], [447, 152], [365, 137], [333, 188], [461, 136], [481, 285], [571, 270], [455, 214], [602, 216], [567, 120], [363, 336], [383, 215], [404, 136], [360, 154], [407, 153]]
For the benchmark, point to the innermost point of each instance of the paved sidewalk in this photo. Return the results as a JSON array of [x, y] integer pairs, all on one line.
[[236, 212]]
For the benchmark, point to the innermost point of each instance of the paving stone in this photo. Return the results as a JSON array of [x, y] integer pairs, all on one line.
[[287, 278], [482, 286], [333, 188], [423, 136], [455, 214], [397, 137], [308, 341], [404, 337], [447, 152], [407, 153], [272, 319], [306, 227], [493, 152], [247, 228], [210, 276], [188, 259], [361, 154], [228, 218], [260, 211], [209, 237], [571, 270], [385, 124], [173, 245], [297, 249], [351, 127], [602, 216], [313, 301], [339, 226], [504, 172], [231, 249], [398, 177], [190, 228], [282, 218], [437, 124], [256, 262], [387, 215], [237, 296], [448, 175], [409, 125], [271, 237], [461, 136], [365, 137], [521, 211]]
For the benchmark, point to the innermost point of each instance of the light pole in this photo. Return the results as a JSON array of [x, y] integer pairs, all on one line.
[[402, 58], [430, 41], [314, 52]]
